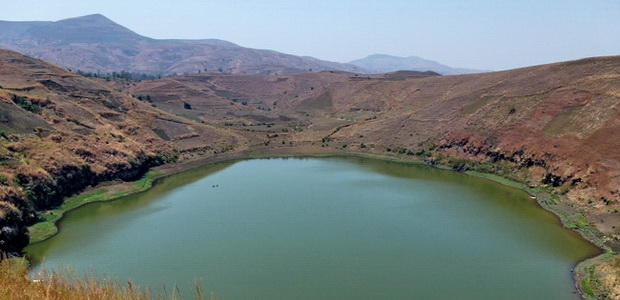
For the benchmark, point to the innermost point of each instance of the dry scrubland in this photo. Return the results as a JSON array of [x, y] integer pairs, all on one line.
[[554, 128], [61, 132], [607, 278], [67, 285], [59, 285]]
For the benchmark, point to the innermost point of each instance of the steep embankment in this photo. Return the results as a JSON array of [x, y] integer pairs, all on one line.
[[556, 124], [60, 132]]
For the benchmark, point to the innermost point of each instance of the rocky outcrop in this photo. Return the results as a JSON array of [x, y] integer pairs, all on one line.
[[16, 215]]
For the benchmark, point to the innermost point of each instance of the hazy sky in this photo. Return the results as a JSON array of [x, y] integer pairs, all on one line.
[[490, 34]]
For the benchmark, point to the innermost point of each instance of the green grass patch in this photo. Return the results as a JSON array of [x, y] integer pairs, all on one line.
[[577, 220], [608, 255], [500, 179], [47, 227], [590, 283], [585, 284], [554, 199], [146, 181], [118, 195], [41, 231]]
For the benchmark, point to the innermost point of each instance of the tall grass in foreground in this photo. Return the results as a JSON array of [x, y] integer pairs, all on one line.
[[66, 285]]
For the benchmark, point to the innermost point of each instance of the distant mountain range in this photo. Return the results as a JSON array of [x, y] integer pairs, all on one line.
[[382, 63], [94, 43]]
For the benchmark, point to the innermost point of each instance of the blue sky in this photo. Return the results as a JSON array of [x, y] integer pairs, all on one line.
[[491, 35]]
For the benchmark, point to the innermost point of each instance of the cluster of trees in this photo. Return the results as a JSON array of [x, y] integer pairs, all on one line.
[[122, 75], [26, 104], [144, 98]]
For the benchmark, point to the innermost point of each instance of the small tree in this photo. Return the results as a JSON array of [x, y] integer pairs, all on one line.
[[187, 105]]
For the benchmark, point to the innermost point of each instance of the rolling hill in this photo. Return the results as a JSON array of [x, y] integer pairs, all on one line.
[[96, 44], [552, 127], [383, 63]]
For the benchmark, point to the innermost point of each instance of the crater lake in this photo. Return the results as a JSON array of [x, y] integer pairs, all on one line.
[[323, 228]]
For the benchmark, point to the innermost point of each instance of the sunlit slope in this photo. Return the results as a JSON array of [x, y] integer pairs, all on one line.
[[60, 132], [556, 125]]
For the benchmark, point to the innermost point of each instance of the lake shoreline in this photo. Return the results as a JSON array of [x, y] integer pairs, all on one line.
[[580, 270]]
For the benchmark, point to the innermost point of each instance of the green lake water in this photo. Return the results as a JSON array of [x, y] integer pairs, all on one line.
[[328, 228]]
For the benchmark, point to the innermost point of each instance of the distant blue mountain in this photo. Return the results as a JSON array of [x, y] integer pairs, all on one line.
[[95, 43], [383, 63]]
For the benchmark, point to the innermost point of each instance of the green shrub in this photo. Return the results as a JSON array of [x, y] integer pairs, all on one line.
[[21, 179], [26, 104]]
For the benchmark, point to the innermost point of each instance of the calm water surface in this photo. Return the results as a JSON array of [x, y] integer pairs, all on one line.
[[334, 228]]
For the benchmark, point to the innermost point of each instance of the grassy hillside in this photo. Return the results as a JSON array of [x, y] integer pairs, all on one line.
[[60, 132]]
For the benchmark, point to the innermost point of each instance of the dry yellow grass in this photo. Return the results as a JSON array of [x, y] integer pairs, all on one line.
[[15, 284], [608, 273], [66, 285]]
